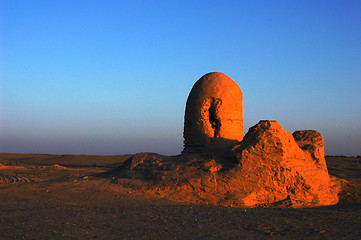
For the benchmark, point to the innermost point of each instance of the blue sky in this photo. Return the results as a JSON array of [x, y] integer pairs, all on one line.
[[112, 77]]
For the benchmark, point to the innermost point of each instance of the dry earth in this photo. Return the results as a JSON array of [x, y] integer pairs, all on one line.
[[60, 197]]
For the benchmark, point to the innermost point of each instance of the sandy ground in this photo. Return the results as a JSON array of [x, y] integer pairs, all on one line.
[[56, 197]]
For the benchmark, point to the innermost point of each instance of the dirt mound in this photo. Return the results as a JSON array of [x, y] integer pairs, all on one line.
[[6, 167], [268, 168], [281, 168]]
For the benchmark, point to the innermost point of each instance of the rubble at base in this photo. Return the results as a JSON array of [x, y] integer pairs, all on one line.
[[268, 168]]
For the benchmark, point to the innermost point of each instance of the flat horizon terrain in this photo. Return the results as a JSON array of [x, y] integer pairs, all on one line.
[[63, 197]]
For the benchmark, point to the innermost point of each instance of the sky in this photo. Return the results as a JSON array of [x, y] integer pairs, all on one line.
[[112, 77]]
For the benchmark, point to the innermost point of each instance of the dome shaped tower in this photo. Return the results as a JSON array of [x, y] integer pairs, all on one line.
[[214, 114]]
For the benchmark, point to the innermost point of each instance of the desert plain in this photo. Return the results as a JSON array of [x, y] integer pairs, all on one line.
[[68, 197]]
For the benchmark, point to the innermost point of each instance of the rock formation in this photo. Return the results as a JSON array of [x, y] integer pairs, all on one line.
[[214, 114], [267, 167], [273, 159], [311, 142]]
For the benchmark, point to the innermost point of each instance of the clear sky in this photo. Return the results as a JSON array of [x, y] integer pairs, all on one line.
[[112, 77]]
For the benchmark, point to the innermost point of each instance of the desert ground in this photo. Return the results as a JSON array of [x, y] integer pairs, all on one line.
[[67, 197]]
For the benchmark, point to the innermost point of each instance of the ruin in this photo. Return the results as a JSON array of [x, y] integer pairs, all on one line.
[[214, 114], [267, 167]]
